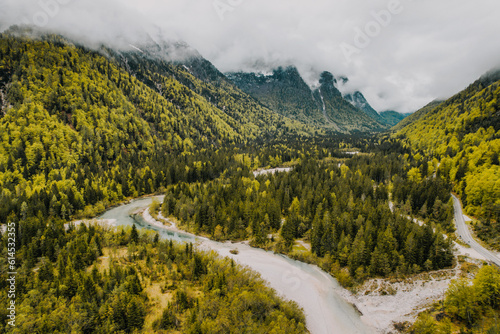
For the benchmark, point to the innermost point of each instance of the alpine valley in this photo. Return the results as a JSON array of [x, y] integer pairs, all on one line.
[[359, 203]]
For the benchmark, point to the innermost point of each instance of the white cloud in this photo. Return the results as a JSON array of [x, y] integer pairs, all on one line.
[[428, 49]]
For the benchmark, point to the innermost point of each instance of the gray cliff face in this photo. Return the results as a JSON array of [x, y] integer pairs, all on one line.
[[285, 92]]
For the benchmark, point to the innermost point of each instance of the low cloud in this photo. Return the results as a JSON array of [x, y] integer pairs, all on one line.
[[421, 51]]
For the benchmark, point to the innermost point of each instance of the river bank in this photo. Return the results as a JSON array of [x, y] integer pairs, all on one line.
[[328, 307], [314, 290], [381, 303]]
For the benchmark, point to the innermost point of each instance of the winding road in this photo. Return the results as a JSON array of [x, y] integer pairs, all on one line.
[[464, 233]]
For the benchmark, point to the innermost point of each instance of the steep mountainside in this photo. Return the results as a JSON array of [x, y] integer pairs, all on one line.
[[341, 113], [464, 134], [358, 100], [412, 118], [285, 92], [80, 129], [392, 117], [161, 59]]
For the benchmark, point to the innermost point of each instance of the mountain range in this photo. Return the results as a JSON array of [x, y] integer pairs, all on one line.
[[286, 92], [87, 127], [392, 117]]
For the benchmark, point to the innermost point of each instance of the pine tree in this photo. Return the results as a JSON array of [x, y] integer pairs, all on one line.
[[136, 314], [134, 235], [287, 232]]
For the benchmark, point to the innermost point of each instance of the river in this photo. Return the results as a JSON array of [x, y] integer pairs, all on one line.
[[313, 289]]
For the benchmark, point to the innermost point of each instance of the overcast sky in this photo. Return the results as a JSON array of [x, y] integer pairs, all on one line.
[[400, 54]]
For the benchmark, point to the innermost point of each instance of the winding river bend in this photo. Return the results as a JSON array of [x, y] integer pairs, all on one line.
[[313, 289]]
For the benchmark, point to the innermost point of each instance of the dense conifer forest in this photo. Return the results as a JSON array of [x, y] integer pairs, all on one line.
[[93, 280], [338, 205]]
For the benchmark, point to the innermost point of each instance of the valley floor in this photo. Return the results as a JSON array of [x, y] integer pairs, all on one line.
[[314, 290], [382, 302]]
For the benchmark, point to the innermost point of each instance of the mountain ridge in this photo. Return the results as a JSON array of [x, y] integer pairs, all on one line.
[[463, 135], [392, 117], [71, 114], [286, 92]]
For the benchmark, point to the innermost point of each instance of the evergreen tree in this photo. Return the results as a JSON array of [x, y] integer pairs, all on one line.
[[134, 235]]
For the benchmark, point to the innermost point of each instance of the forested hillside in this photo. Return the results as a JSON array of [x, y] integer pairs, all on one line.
[[252, 120], [412, 118], [80, 130], [463, 134], [392, 117]]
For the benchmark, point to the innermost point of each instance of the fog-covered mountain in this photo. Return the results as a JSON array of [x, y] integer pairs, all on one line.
[[286, 92]]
